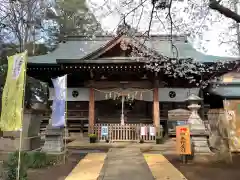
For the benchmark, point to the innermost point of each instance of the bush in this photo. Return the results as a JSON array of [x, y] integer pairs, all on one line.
[[12, 166], [92, 136], [32, 160], [37, 160]]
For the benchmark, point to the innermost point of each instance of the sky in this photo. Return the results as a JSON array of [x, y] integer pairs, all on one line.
[[110, 12]]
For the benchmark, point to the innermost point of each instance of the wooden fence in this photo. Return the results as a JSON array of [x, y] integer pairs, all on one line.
[[127, 132]]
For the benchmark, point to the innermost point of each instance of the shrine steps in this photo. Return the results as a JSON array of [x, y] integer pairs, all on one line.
[[168, 147]]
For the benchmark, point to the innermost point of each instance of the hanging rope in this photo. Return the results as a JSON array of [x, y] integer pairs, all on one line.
[[130, 93]]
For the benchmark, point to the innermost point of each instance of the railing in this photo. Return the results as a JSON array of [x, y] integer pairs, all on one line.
[[127, 132]]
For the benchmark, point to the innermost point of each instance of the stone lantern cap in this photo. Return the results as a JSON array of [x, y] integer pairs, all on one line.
[[193, 97]]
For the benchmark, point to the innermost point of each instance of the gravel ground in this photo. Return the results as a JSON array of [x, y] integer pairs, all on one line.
[[208, 169]]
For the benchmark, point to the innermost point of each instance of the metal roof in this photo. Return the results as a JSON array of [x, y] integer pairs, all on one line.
[[76, 49]]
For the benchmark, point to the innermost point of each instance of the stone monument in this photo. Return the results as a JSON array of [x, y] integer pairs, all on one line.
[[199, 133], [53, 140], [30, 134]]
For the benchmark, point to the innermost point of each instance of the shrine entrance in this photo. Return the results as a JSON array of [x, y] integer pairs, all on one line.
[[123, 106]]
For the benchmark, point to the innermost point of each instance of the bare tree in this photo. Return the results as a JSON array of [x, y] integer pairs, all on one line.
[[22, 22]]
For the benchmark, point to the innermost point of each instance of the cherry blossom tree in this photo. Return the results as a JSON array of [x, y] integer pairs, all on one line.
[[194, 18]]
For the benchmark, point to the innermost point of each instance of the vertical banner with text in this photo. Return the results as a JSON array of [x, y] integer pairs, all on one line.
[[13, 93], [59, 102], [183, 140]]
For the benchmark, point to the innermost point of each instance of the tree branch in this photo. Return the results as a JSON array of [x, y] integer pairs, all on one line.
[[213, 4]]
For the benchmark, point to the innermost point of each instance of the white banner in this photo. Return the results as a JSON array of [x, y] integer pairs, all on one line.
[[152, 131], [143, 131]]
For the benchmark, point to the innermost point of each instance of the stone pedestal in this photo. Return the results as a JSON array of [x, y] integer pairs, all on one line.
[[30, 134], [53, 140], [199, 134]]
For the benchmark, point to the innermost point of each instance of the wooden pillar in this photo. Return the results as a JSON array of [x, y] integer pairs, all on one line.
[[91, 116], [156, 112]]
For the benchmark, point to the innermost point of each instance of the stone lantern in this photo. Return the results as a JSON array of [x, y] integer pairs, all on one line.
[[199, 133], [194, 120]]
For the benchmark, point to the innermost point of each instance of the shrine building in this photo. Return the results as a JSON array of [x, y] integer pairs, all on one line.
[[107, 84]]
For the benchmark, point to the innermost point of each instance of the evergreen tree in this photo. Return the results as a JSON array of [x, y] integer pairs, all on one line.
[[76, 19]]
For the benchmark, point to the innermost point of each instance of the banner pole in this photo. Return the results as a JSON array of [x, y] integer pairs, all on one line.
[[19, 156], [22, 116], [65, 133]]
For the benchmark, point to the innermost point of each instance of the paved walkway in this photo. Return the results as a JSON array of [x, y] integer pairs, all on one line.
[[161, 168], [88, 168], [125, 163]]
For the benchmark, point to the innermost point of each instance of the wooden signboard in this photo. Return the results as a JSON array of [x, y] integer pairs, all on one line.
[[183, 140]]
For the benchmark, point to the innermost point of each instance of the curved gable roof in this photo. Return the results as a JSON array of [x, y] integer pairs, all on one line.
[[82, 49]]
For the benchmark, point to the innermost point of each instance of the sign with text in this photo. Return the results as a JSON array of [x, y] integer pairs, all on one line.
[[183, 140], [104, 131]]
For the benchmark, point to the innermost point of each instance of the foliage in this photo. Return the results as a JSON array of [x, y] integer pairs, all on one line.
[[92, 136], [179, 17], [19, 21], [193, 17], [76, 19], [27, 23], [12, 165], [40, 160], [32, 160]]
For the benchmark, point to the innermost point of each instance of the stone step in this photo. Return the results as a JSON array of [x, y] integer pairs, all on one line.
[[202, 150]]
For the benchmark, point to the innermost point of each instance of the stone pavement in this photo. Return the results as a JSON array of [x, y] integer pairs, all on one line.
[[125, 163], [88, 168], [161, 168]]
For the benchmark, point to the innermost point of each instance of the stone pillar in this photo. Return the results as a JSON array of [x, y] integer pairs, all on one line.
[[156, 113], [91, 116]]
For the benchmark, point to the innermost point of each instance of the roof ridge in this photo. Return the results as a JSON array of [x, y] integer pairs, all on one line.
[[181, 37]]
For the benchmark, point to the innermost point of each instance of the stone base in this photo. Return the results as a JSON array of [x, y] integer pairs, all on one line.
[[10, 144], [53, 145], [14, 134], [201, 144], [53, 140]]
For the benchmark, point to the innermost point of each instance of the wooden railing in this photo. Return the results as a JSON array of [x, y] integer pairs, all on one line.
[[127, 132]]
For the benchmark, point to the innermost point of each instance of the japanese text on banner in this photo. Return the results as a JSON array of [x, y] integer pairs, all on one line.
[[183, 140], [13, 93]]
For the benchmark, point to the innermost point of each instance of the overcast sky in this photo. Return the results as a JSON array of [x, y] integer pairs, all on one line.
[[108, 12]]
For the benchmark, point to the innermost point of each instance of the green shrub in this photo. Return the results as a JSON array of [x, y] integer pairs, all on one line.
[[12, 166], [37, 160], [32, 160], [92, 135]]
